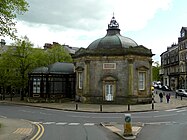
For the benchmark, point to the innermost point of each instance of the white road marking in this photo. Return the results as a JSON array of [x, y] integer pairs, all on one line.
[[89, 124], [171, 110], [157, 123], [181, 110], [73, 123], [61, 123], [36, 122], [49, 123]]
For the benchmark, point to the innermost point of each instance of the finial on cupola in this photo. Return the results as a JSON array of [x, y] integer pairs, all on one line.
[[113, 23]]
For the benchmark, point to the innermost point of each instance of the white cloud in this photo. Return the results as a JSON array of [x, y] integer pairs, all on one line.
[[81, 22], [135, 14]]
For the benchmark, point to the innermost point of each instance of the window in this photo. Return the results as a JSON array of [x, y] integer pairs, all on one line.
[[80, 78], [36, 85], [141, 80], [182, 34], [109, 89]]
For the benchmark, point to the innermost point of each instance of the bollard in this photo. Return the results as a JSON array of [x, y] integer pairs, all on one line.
[[76, 106], [101, 108], [152, 101], [152, 106], [181, 97], [128, 107], [128, 125]]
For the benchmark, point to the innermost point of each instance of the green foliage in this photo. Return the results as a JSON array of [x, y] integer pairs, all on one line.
[[21, 58], [58, 54], [8, 12], [17, 62], [155, 72]]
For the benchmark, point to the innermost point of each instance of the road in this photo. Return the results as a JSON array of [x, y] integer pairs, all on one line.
[[62, 125], [67, 125]]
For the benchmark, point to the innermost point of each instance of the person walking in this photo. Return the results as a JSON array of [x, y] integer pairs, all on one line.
[[161, 97], [167, 98]]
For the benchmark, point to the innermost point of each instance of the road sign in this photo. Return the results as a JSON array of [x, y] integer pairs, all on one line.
[[127, 125]]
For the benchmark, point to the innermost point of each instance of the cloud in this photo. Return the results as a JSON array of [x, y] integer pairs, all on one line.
[[79, 22], [93, 14]]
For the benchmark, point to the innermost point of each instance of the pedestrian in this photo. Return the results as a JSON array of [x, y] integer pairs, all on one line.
[[161, 97], [167, 98]]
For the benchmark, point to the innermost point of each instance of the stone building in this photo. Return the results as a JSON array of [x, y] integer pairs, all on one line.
[[182, 44], [113, 69], [170, 67], [174, 63]]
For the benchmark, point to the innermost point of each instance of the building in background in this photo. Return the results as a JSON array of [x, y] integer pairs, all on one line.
[[170, 67], [71, 50], [182, 44], [55, 81], [174, 63]]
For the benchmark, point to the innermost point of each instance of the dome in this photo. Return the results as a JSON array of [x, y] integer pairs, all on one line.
[[63, 68], [40, 70], [113, 39], [113, 44]]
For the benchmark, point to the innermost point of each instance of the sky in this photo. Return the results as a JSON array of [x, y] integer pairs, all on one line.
[[156, 24]]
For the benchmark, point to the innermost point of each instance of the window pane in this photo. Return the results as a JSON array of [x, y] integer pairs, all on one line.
[[36, 85], [80, 79], [109, 92], [141, 80]]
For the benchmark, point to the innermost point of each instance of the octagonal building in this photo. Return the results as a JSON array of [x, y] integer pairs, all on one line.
[[113, 69]]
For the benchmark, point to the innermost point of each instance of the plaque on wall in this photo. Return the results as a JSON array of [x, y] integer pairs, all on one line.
[[109, 65]]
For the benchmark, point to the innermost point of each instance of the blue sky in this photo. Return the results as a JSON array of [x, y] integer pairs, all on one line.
[[163, 29], [156, 24]]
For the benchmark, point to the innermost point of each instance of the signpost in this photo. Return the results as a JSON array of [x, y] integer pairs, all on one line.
[[128, 125]]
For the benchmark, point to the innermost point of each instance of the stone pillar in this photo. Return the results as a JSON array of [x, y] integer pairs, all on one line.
[[131, 76], [151, 76], [87, 77]]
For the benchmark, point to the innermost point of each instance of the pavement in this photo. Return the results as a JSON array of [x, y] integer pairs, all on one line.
[[15, 129], [21, 129]]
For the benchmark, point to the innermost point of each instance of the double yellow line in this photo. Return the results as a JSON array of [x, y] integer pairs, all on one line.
[[39, 133]]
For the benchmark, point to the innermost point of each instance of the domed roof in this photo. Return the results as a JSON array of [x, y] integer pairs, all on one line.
[[58, 67], [63, 68], [40, 70], [113, 39], [113, 44]]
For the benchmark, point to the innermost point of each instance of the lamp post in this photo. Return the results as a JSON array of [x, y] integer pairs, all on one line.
[[185, 75]]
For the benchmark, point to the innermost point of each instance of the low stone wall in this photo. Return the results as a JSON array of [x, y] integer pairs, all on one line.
[[118, 100]]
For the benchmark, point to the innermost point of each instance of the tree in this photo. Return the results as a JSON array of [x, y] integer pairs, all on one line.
[[19, 60], [9, 10], [5, 77], [58, 54], [155, 71]]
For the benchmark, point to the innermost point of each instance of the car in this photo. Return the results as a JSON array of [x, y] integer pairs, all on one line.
[[166, 88], [181, 92], [157, 86]]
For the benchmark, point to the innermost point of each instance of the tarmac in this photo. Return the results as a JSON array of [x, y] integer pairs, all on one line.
[[14, 129]]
